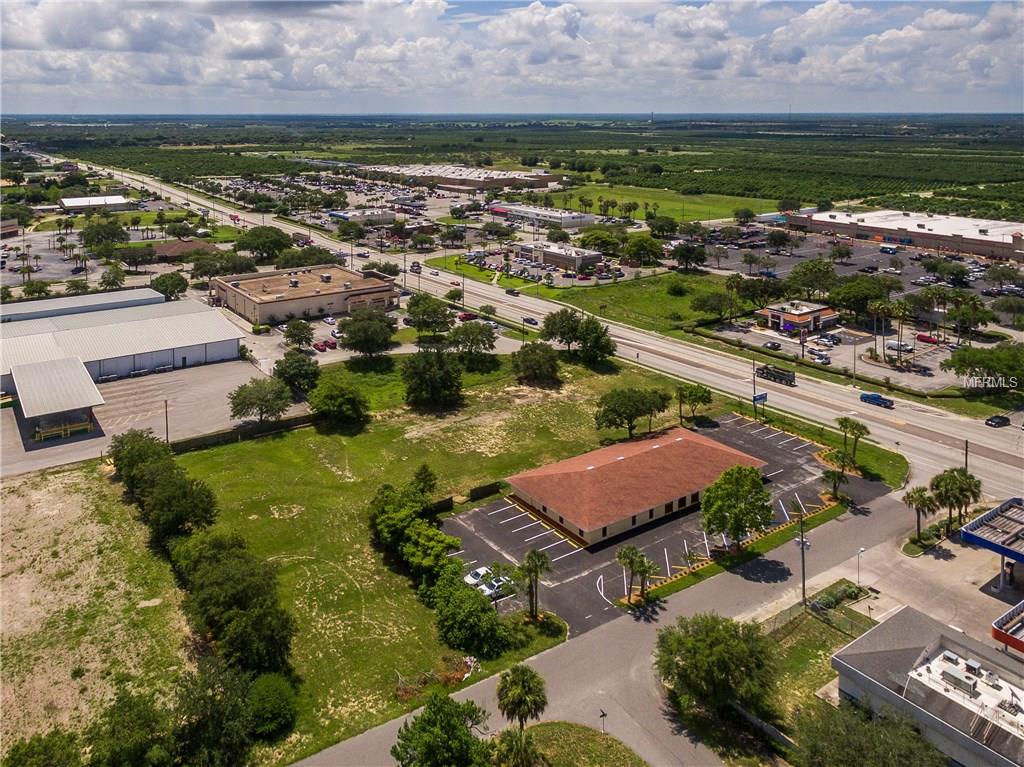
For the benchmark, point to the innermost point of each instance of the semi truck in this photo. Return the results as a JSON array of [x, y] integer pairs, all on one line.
[[772, 373]]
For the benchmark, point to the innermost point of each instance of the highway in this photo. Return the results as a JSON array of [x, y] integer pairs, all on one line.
[[930, 439]]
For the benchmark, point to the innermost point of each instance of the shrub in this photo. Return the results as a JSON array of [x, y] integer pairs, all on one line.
[[54, 749], [272, 705]]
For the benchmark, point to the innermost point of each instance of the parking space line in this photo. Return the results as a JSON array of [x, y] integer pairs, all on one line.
[[731, 420], [775, 472], [456, 553], [758, 431], [773, 435], [668, 565], [560, 540], [538, 535], [802, 507], [503, 508], [783, 507], [706, 544], [748, 425], [526, 526], [787, 440], [517, 516], [625, 584], [800, 446], [563, 556]]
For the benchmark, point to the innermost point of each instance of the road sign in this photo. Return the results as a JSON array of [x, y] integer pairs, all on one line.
[[760, 398]]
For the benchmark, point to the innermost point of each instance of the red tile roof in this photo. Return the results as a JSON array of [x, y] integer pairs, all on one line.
[[613, 483]]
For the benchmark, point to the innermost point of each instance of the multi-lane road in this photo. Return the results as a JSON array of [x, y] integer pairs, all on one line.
[[931, 439]]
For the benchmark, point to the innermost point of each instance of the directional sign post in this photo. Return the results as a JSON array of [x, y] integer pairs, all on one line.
[[760, 397]]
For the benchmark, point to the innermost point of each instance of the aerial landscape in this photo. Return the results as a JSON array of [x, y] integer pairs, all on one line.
[[511, 384]]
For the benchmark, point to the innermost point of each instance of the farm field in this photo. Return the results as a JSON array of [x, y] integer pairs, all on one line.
[[690, 207], [87, 604], [299, 500]]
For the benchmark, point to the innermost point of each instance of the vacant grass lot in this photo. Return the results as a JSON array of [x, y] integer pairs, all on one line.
[[299, 500], [86, 604], [565, 744], [691, 207]]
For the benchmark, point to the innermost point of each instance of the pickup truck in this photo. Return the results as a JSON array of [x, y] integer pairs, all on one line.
[[873, 398]]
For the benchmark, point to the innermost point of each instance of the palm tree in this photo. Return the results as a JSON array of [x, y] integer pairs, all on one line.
[[922, 503], [521, 694], [878, 309], [516, 748], [628, 556], [534, 564], [852, 429], [900, 311], [835, 478], [955, 489], [645, 569]]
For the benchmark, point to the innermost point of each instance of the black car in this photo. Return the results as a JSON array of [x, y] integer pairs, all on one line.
[[868, 269], [772, 345], [997, 421], [530, 321]]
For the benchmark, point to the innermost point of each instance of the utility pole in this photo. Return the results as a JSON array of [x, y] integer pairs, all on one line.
[[753, 381], [167, 425], [799, 511], [966, 448]]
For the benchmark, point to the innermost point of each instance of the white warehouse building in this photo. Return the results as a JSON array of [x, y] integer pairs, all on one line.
[[532, 215]]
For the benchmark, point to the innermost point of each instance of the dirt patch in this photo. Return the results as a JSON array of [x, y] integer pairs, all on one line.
[[86, 605]]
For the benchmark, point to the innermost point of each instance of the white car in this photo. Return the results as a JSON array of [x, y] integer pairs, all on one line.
[[336, 333], [477, 576], [434, 273], [495, 587], [329, 320]]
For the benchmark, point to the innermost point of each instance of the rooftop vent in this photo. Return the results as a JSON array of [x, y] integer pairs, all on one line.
[[973, 667], [951, 657], [317, 290], [655, 447], [621, 458], [234, 283], [348, 284], [589, 468], [325, 277]]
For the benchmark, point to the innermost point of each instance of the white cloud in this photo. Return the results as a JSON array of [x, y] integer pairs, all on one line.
[[432, 55]]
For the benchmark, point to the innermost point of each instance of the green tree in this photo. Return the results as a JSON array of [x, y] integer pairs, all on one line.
[[736, 504], [815, 277], [170, 284], [179, 229], [955, 489], [488, 310], [693, 396], [714, 661], [1012, 305], [688, 256], [265, 398], [442, 735], [212, 716], [562, 326], [296, 258], [425, 550], [339, 402], [466, 619], [35, 289], [55, 748], [789, 203], [662, 226], [850, 737], [130, 452], [272, 705], [534, 564], [643, 249], [834, 478], [777, 238], [264, 242], [536, 363], [743, 216], [368, 332], [424, 480], [645, 569], [175, 504], [628, 556], [133, 731], [521, 694], [73, 287], [112, 277], [922, 503], [516, 748], [433, 380], [595, 343], [600, 240], [454, 295], [98, 232], [720, 303], [298, 333], [473, 341], [558, 234], [853, 430], [622, 408], [429, 315], [298, 371], [750, 260]]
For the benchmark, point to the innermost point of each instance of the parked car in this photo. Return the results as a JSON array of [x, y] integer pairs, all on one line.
[[75, 270], [320, 346], [772, 345], [335, 333], [330, 343], [583, 277], [466, 316], [868, 269], [329, 320], [927, 338], [530, 321], [477, 576], [997, 421], [496, 587]]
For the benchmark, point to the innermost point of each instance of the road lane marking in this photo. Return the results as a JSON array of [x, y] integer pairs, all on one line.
[[526, 526], [517, 516]]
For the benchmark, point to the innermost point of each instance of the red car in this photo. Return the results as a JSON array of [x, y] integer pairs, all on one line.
[[927, 339], [455, 282], [330, 343], [583, 277], [466, 316], [320, 346]]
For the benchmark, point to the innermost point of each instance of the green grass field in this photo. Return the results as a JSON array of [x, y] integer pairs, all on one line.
[[565, 744], [693, 207], [299, 500]]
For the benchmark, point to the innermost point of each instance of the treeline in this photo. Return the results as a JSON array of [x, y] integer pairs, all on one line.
[[243, 686], [182, 165]]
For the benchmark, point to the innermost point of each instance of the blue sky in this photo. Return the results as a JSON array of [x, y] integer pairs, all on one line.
[[242, 56]]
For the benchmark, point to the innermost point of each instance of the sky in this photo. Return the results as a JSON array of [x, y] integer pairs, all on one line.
[[445, 56]]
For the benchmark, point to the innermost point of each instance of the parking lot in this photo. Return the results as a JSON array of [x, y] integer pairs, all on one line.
[[585, 582]]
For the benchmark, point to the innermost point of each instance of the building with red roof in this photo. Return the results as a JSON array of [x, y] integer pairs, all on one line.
[[609, 491]]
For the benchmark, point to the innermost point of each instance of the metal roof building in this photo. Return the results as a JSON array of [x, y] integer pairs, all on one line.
[[57, 386], [92, 302], [109, 202]]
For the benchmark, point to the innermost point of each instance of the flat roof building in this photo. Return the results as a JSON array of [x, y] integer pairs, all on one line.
[[463, 178], [607, 492], [1002, 530], [954, 234], [563, 256], [533, 215], [966, 698], [313, 291], [9, 227], [796, 316], [370, 216], [105, 202], [91, 302]]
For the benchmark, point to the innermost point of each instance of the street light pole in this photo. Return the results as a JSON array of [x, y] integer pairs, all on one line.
[[799, 511], [859, 553]]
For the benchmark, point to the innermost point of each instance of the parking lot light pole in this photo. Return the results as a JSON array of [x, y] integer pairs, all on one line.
[[797, 509], [859, 553]]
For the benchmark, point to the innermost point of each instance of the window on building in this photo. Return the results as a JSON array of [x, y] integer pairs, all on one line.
[[634, 521], [581, 533], [560, 520], [604, 532], [682, 502], [694, 498], [650, 514], [668, 507]]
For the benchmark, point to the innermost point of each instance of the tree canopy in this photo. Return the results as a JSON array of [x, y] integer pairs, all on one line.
[[536, 362], [433, 380], [736, 504], [442, 735], [622, 408], [368, 332], [264, 398], [298, 371]]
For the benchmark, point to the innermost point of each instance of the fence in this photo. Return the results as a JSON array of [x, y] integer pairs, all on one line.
[[482, 491], [239, 433]]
